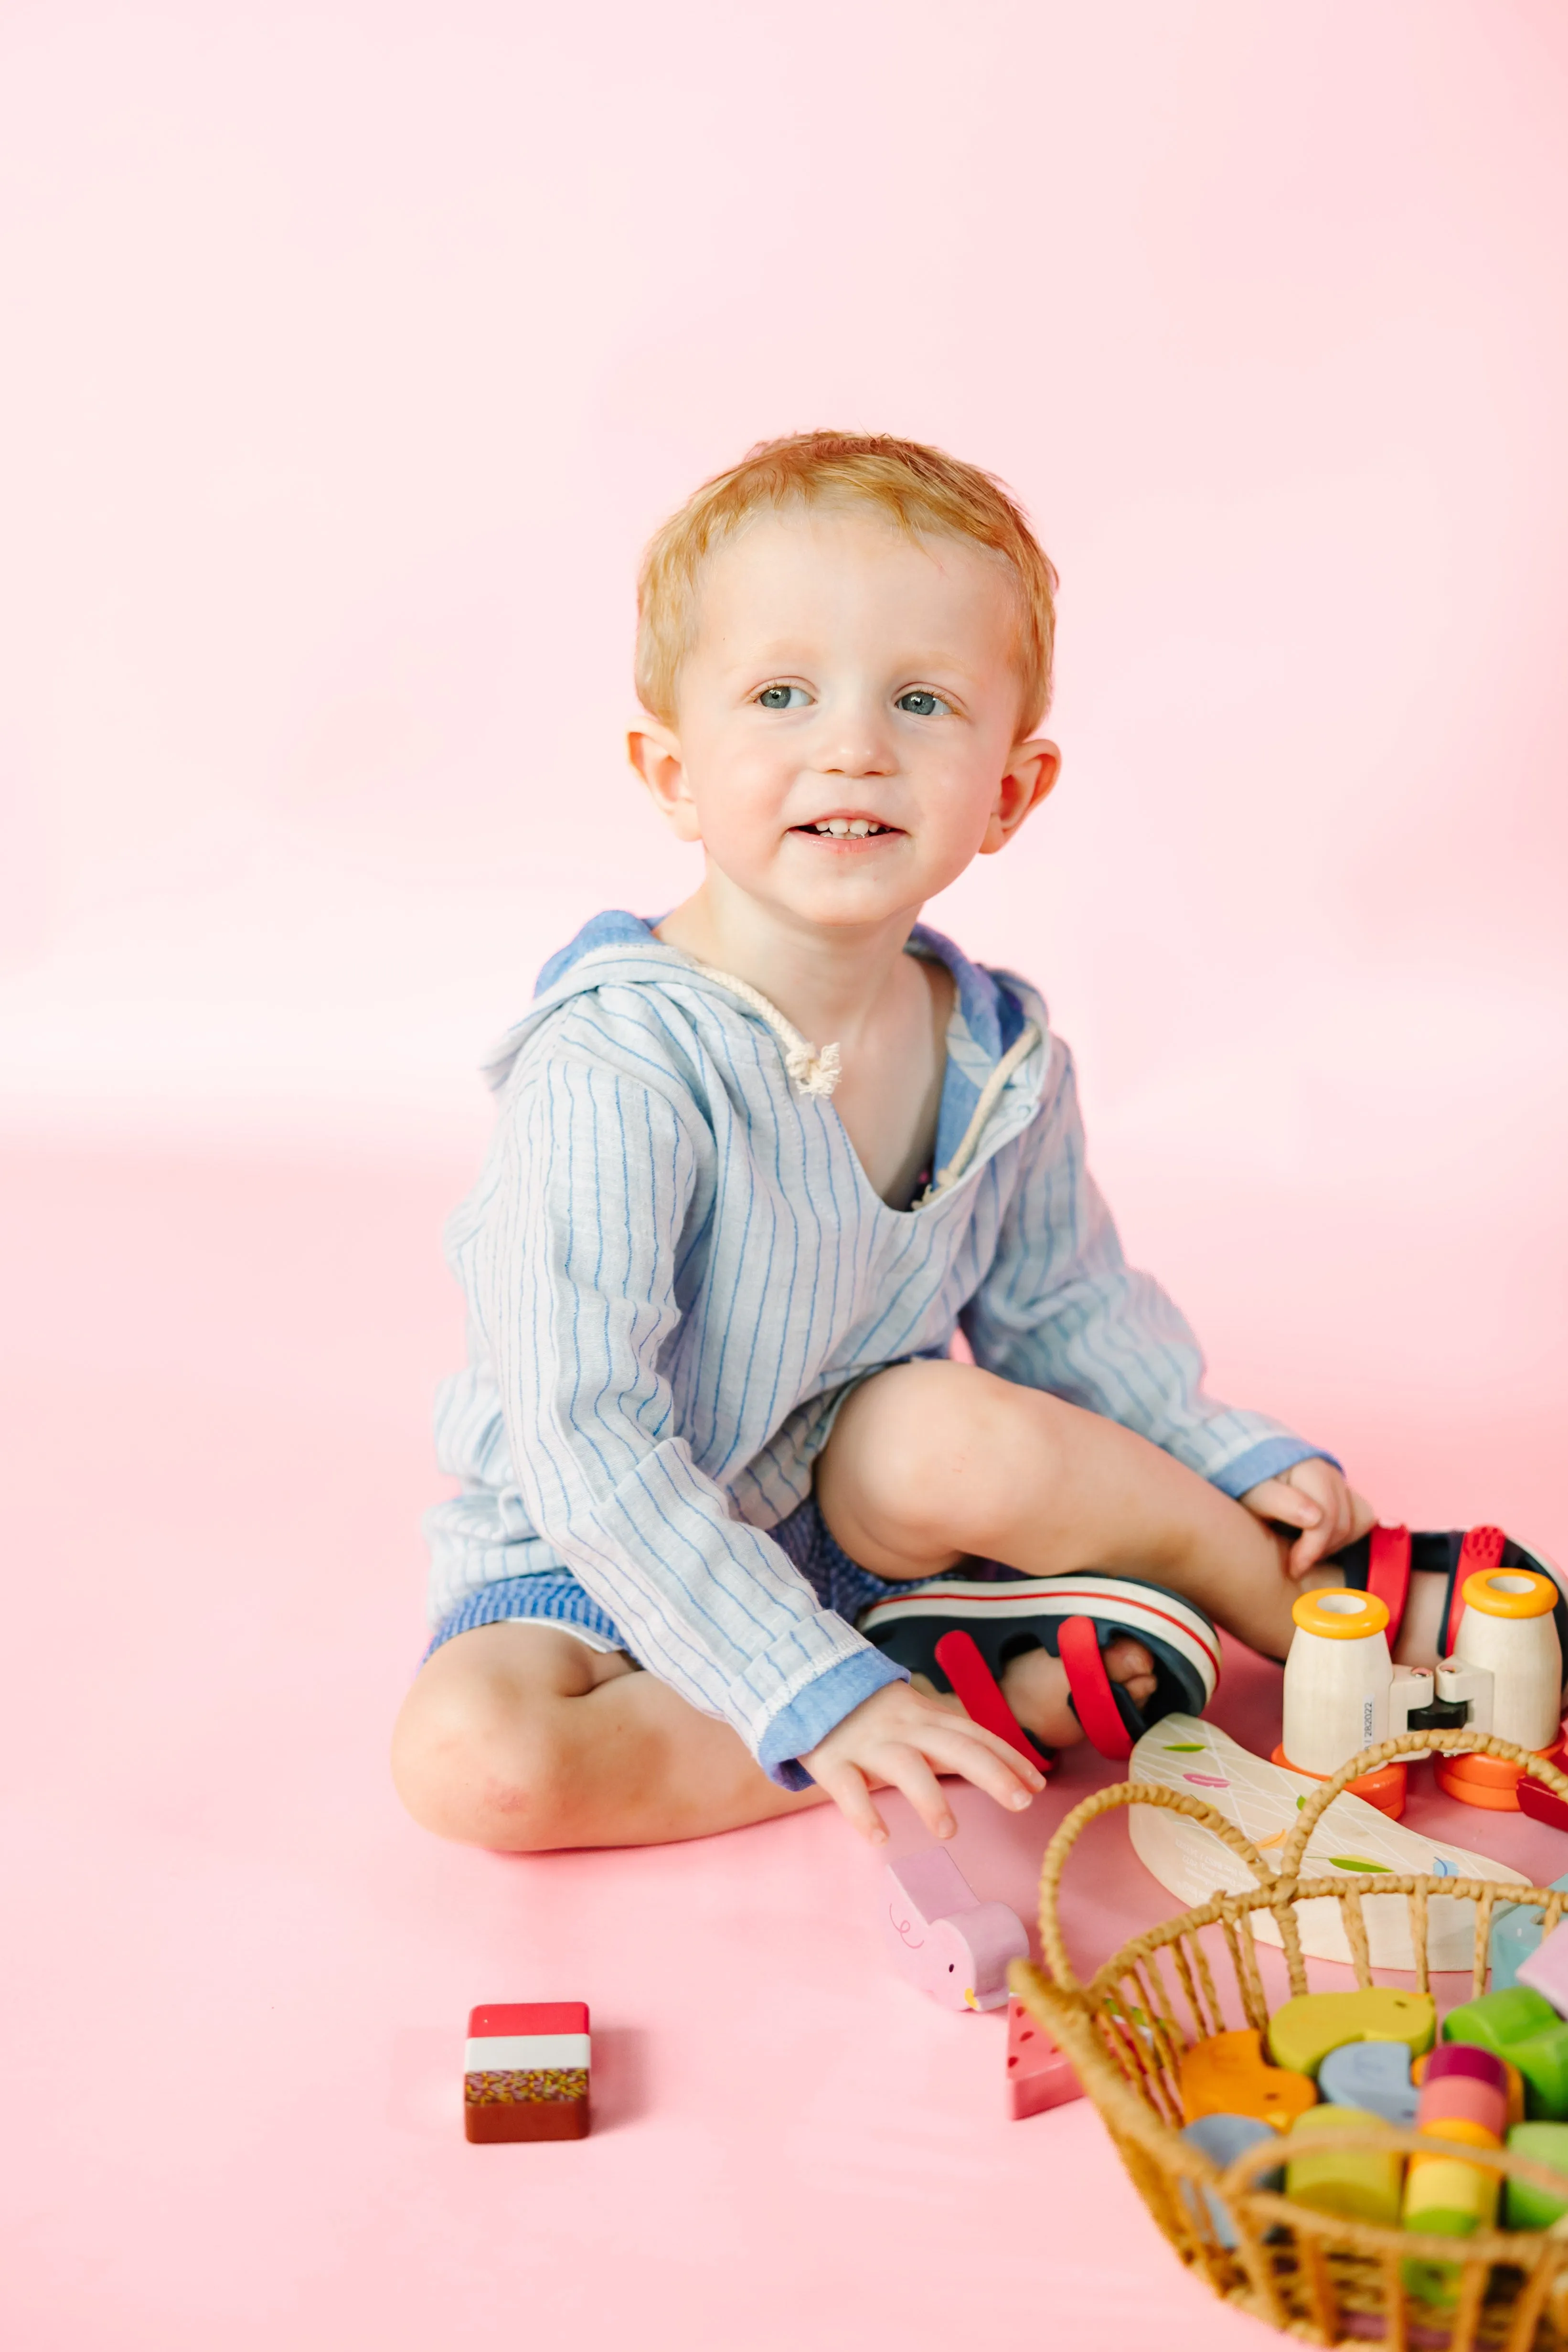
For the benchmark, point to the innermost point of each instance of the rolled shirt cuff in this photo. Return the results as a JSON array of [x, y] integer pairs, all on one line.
[[1269, 1458], [814, 1712]]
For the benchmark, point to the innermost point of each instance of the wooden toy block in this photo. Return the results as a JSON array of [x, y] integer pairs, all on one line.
[[1364, 2183], [1223, 2139], [1039, 2075], [1372, 2075], [1480, 2065], [1229, 2076], [1516, 1926], [526, 2070], [1447, 2199], [1444, 2196], [1305, 2030], [1522, 2027], [1542, 1805], [1455, 2099], [1526, 2207], [1545, 1970], [954, 1947]]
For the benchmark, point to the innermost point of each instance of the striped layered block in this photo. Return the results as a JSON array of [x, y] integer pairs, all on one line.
[[526, 2070]]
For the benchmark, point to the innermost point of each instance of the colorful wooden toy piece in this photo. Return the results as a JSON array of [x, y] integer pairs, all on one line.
[[1450, 2058], [1455, 2099], [1516, 1926], [526, 2070], [1545, 1970], [1522, 2027], [1443, 2195], [1196, 1758], [1526, 2207], [1542, 1805], [1039, 2075], [1362, 2183], [1223, 2139], [1305, 2030], [1372, 2075], [1229, 2076], [954, 1947]]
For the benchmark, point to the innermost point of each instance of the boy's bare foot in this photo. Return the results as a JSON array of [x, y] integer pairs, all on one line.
[[1035, 1687]]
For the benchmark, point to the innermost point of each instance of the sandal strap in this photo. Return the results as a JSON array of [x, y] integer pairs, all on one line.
[[1090, 1685], [1482, 1548], [1389, 1574], [958, 1655]]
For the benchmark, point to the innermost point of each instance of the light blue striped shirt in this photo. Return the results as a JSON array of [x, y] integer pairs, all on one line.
[[675, 1269]]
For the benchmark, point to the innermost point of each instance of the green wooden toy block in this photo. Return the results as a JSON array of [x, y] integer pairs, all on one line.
[[1303, 2033], [1436, 2282], [1367, 2184], [1525, 2206], [1522, 2027]]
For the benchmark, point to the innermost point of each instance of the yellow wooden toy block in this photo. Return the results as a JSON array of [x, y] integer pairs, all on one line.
[[1305, 2030], [1229, 2076], [1364, 2183]]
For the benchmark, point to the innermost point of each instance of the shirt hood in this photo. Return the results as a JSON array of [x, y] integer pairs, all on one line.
[[620, 949]]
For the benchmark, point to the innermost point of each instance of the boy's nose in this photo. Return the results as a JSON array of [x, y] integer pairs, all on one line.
[[853, 746]]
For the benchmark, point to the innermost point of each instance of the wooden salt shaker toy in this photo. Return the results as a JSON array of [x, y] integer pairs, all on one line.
[[1344, 1693], [1509, 1656]]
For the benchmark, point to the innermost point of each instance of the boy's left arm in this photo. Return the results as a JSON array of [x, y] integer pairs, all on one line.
[[1060, 1310]]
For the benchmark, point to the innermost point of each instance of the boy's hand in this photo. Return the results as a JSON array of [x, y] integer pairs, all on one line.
[[1313, 1496], [904, 1739]]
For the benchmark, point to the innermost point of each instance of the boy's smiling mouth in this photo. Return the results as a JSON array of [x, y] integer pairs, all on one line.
[[845, 828]]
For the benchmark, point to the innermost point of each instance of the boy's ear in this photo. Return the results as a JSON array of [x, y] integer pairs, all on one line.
[[655, 754], [1031, 772]]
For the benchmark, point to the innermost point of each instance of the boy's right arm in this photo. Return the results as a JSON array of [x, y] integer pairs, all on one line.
[[568, 1257]]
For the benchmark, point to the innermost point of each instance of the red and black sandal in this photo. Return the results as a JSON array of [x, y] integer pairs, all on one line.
[[964, 1634], [1384, 1562]]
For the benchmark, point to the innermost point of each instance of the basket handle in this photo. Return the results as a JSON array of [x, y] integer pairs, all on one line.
[[1107, 1800], [1388, 1751]]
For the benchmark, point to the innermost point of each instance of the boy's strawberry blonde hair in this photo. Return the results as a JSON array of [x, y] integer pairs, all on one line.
[[919, 488]]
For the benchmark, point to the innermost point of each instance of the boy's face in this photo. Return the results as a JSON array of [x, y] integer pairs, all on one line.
[[845, 674]]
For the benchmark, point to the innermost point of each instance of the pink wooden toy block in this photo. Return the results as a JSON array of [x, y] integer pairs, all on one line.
[[1039, 2075], [1546, 1969], [954, 1947]]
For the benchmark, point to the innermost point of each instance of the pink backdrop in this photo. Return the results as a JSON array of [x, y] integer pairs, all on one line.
[[353, 350]]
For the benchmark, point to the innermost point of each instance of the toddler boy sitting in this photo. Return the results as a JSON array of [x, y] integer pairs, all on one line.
[[714, 1269]]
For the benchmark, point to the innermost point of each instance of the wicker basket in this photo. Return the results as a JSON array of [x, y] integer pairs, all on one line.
[[1315, 2276]]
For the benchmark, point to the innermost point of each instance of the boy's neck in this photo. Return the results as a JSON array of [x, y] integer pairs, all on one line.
[[827, 980]]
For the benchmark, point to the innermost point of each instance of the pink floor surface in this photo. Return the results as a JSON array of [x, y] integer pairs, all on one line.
[[236, 1977]]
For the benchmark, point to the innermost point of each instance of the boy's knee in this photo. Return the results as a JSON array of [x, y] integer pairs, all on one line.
[[470, 1767], [951, 1435]]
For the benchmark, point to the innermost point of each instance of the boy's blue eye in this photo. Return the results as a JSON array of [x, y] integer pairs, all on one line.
[[778, 698], [921, 703]]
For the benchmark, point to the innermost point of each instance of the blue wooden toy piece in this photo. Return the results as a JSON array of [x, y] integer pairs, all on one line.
[[1223, 2139], [1515, 1934], [1373, 2076]]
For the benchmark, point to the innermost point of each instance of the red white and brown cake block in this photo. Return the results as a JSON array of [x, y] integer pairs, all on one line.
[[1039, 2075], [526, 2070]]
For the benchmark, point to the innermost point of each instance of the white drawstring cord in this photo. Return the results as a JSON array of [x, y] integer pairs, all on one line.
[[814, 1073], [818, 1073], [1022, 1045]]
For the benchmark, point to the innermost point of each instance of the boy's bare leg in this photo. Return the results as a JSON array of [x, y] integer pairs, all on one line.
[[520, 1737], [929, 1463]]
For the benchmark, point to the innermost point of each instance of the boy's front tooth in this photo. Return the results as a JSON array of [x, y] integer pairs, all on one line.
[[838, 826], [860, 828]]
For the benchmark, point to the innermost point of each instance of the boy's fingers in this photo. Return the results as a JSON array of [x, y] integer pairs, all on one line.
[[847, 1787], [999, 1770], [911, 1775], [1015, 1766], [1272, 1499], [953, 1744]]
